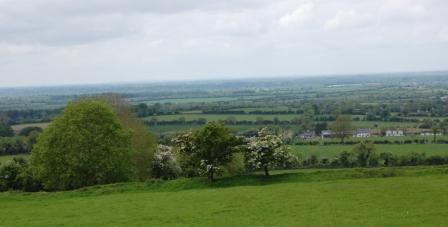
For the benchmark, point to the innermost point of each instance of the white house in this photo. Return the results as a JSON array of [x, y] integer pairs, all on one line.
[[363, 132], [393, 132], [308, 135]]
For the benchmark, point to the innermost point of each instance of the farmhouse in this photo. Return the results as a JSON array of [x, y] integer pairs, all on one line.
[[429, 132], [308, 134], [362, 132], [394, 132]]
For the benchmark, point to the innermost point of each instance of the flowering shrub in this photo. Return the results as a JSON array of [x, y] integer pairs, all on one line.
[[164, 164], [208, 148], [267, 150]]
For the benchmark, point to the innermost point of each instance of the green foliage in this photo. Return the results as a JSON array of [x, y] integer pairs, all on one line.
[[267, 150], [236, 166], [16, 175], [85, 146], [5, 129], [164, 164], [27, 131], [366, 154], [142, 141], [342, 127], [208, 148], [15, 145]]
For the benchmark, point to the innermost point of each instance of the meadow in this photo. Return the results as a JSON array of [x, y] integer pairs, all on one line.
[[343, 197]]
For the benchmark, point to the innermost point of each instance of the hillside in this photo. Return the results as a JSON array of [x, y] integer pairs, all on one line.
[[416, 196]]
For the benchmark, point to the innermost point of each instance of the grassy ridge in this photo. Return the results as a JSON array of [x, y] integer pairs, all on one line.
[[347, 197]]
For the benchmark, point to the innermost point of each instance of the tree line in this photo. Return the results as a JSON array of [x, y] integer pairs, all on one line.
[[100, 140]]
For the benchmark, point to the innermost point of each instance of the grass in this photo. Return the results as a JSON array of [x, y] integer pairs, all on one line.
[[345, 197], [398, 149]]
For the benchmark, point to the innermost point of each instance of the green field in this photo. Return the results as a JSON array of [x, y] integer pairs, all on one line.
[[398, 149], [415, 196], [238, 117]]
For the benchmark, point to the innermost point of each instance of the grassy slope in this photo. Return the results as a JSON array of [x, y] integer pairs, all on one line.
[[418, 197], [399, 149]]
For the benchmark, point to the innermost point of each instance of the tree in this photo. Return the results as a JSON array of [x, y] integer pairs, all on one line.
[[342, 127], [347, 159], [209, 147], [265, 150], [5, 129], [307, 118], [16, 175], [164, 164], [143, 142], [29, 130], [435, 130], [10, 174], [84, 146], [319, 127], [365, 152]]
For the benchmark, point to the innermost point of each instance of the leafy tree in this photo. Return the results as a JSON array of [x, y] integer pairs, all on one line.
[[342, 127], [388, 158], [365, 152], [347, 159], [29, 130], [85, 146], [16, 175], [143, 142], [164, 164], [435, 130], [5, 129], [265, 150], [209, 147], [319, 127], [307, 117], [9, 174]]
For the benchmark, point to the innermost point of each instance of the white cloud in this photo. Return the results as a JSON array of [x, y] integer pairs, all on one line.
[[75, 41], [299, 15], [350, 18]]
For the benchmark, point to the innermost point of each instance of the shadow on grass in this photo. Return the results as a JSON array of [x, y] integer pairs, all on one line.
[[295, 176]]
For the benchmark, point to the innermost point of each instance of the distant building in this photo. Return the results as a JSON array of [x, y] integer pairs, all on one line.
[[326, 134], [394, 132], [429, 132], [363, 132], [308, 135]]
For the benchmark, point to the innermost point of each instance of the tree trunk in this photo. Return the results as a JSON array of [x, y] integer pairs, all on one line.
[[434, 140], [211, 176], [266, 171]]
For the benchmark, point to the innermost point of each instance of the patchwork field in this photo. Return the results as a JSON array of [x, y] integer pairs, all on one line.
[[348, 197]]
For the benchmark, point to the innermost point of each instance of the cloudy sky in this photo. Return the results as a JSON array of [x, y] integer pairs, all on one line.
[[48, 42]]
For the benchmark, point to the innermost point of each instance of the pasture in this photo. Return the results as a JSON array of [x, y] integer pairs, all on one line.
[[345, 197]]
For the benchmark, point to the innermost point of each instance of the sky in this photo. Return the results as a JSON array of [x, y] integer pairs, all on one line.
[[51, 42]]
